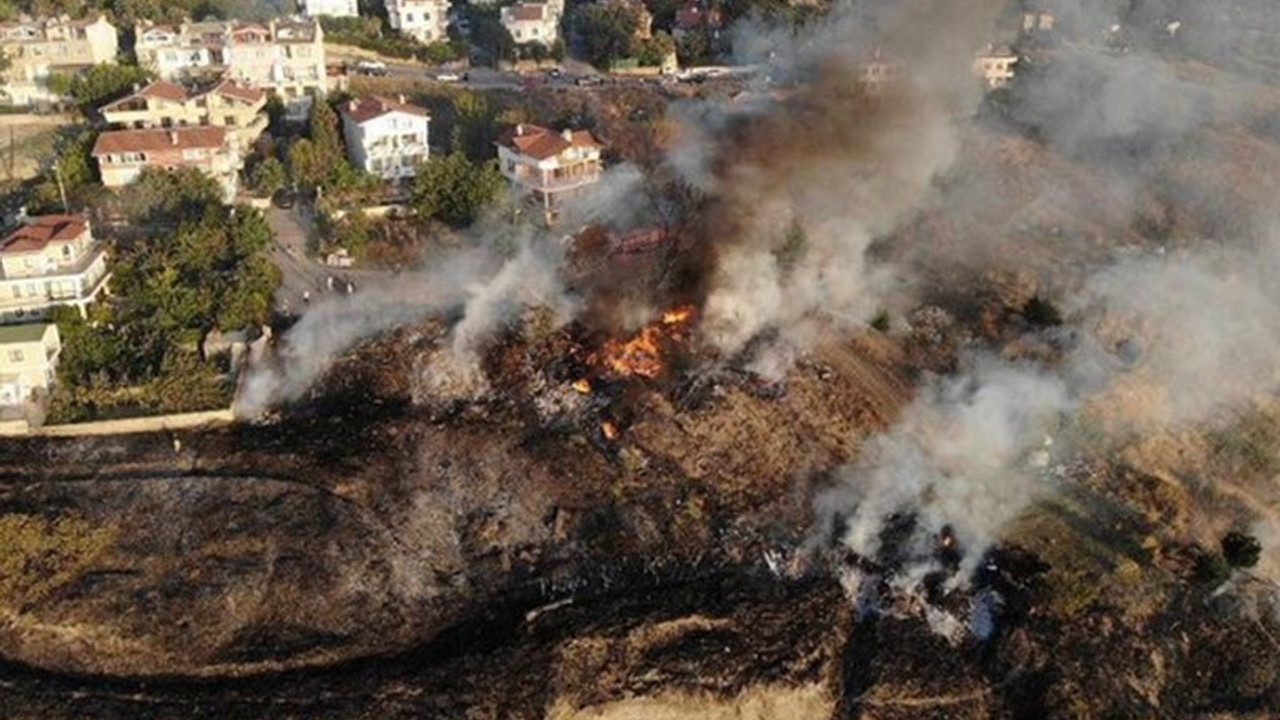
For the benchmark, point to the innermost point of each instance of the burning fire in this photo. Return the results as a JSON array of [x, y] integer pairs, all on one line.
[[609, 430], [582, 385], [642, 355]]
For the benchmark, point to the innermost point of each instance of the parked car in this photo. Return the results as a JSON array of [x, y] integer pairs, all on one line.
[[284, 199], [371, 67], [588, 81], [450, 77]]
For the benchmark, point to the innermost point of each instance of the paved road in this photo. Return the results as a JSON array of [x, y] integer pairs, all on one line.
[[302, 276]]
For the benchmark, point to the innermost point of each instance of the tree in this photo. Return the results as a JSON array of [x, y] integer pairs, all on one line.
[[307, 169], [1040, 312], [99, 84], [1241, 550], [607, 31], [74, 168], [474, 125], [454, 190], [439, 52], [268, 177], [488, 34], [655, 51], [537, 52], [557, 50]]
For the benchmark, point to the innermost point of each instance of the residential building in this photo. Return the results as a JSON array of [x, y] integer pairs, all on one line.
[[284, 57], [163, 104], [51, 260], [548, 165], [697, 16], [122, 155], [994, 65], [28, 361], [386, 137], [1037, 21], [36, 49], [532, 22], [331, 8], [426, 21], [877, 72]]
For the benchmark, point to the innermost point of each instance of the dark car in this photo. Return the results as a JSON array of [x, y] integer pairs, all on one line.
[[284, 199], [588, 81]]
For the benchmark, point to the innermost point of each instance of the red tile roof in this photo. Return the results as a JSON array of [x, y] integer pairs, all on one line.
[[160, 89], [375, 106], [116, 141], [538, 142], [527, 12], [236, 91], [42, 230]]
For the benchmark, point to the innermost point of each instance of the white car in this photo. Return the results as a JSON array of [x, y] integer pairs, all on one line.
[[371, 67], [448, 77]]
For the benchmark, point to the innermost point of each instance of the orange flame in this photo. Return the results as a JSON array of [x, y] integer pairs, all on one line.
[[642, 354], [609, 430], [582, 385]]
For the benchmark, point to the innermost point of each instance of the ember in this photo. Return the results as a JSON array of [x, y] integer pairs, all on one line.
[[609, 430], [642, 355], [582, 385]]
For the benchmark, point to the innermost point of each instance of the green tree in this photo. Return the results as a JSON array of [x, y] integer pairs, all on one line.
[[440, 52], [536, 52], [488, 33], [607, 32], [75, 168], [268, 177], [99, 84], [474, 125], [454, 190], [558, 51], [655, 51]]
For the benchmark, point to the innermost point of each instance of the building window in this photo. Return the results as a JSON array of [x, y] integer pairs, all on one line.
[[17, 356]]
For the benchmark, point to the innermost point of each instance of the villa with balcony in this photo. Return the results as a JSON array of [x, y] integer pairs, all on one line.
[[51, 260], [547, 165], [386, 137]]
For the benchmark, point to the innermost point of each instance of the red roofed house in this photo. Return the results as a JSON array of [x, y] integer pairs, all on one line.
[[386, 137], [549, 165], [164, 104], [532, 22], [51, 260], [122, 155]]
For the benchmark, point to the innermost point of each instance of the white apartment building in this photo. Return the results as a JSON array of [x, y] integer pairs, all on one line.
[[331, 8], [285, 57], [532, 22], [122, 155], [51, 260], [994, 66], [28, 361], [36, 49], [386, 137], [550, 166], [426, 21]]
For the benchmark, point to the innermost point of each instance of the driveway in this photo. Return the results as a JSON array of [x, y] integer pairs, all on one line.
[[302, 276]]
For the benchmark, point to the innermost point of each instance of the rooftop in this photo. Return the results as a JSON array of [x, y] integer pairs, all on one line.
[[115, 141], [538, 142], [33, 332], [527, 12], [375, 106], [42, 230]]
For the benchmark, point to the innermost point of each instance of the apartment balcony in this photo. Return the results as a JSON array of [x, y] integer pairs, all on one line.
[[551, 184], [76, 284]]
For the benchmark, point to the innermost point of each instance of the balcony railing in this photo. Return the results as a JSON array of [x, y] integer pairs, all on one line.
[[558, 184]]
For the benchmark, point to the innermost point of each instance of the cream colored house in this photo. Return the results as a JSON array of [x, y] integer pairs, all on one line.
[[532, 22], [285, 56], [122, 155], [28, 361], [426, 21], [995, 66], [164, 104], [548, 165], [51, 260], [36, 49]]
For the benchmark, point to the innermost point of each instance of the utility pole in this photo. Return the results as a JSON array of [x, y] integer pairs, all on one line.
[[62, 190]]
